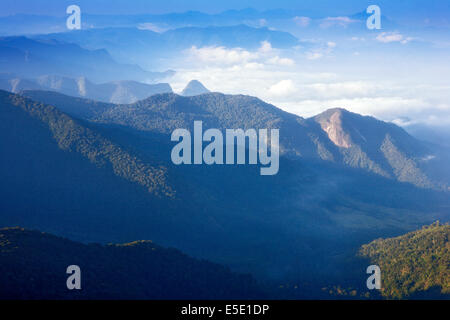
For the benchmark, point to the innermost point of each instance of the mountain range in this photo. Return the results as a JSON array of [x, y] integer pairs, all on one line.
[[151, 49], [28, 58], [47, 23], [114, 92], [94, 171], [335, 135], [86, 118]]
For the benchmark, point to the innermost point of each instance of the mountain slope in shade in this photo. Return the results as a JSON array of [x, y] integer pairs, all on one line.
[[34, 264], [166, 112], [72, 136], [416, 264], [106, 181], [337, 136], [114, 92], [194, 88], [382, 148], [68, 177]]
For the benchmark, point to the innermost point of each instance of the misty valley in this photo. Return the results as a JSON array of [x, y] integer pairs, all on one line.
[[280, 154]]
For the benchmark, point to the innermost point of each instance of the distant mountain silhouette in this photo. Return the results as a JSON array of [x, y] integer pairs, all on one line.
[[194, 88], [33, 24], [34, 267], [29, 58], [240, 35], [147, 48], [114, 92]]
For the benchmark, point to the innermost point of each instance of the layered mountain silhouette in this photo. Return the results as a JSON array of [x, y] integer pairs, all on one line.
[[33, 24], [28, 58], [94, 171], [34, 267], [194, 88], [86, 155], [114, 92], [240, 35], [148, 48], [336, 135]]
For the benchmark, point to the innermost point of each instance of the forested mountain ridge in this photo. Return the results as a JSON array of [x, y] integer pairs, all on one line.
[[336, 135], [382, 148], [416, 264], [72, 136], [296, 224], [34, 267]]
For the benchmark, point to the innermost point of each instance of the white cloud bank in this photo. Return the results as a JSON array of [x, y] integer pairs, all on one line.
[[282, 88], [303, 85], [222, 56]]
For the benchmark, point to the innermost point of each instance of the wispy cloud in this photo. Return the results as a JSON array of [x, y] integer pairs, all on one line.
[[221, 55], [314, 55], [305, 82], [281, 61], [152, 27], [321, 51], [388, 37], [302, 21], [336, 21]]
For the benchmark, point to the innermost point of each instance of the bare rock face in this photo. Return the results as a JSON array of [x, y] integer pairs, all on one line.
[[381, 147], [332, 125]]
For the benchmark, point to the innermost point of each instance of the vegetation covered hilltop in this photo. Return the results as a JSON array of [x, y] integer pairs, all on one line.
[[33, 266], [416, 264]]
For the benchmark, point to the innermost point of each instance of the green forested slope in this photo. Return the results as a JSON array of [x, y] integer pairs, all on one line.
[[71, 135], [337, 136], [33, 266], [414, 263]]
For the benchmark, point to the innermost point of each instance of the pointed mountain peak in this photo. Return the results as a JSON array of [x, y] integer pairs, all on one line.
[[194, 88], [332, 112]]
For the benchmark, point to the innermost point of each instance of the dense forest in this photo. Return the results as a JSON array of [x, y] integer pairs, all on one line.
[[33, 266], [94, 181], [335, 135], [416, 264]]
